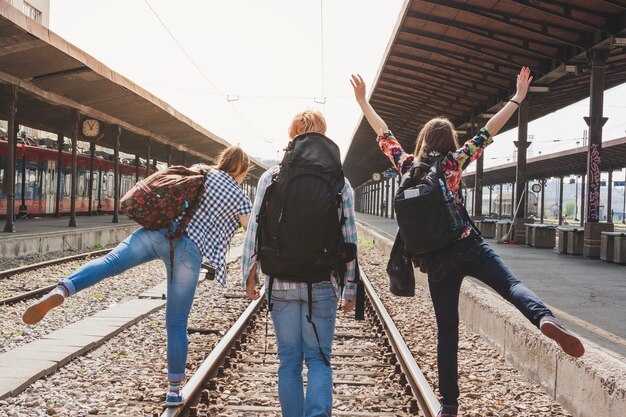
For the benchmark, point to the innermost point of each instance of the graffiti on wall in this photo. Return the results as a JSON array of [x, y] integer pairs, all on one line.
[[593, 203]]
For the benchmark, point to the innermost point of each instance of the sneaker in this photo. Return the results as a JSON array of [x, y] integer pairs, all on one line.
[[448, 411], [553, 329], [174, 398], [37, 311]]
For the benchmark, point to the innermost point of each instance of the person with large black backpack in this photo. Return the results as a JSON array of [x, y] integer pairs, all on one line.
[[186, 213], [302, 235], [436, 229]]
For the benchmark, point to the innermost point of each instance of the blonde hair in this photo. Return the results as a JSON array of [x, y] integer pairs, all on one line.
[[307, 121], [233, 160]]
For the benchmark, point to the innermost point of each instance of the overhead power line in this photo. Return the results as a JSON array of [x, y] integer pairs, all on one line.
[[193, 62]]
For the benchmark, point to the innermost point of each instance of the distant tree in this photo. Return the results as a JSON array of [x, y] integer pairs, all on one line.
[[570, 208]]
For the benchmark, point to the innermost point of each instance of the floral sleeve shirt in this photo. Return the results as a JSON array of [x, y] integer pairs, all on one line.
[[452, 166]]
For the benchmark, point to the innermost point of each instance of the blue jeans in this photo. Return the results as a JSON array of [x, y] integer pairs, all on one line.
[[143, 246], [296, 342], [470, 256]]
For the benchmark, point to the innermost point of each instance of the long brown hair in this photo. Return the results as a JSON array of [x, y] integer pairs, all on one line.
[[233, 160], [438, 135]]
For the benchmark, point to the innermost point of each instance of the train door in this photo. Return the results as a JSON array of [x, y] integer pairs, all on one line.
[[50, 187]]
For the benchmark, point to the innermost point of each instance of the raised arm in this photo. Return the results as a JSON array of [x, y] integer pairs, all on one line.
[[375, 121], [496, 122]]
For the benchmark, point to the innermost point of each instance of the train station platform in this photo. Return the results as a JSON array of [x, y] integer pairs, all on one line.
[[47, 234], [589, 296]]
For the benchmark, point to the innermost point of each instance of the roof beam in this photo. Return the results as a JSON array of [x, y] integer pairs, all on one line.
[[422, 95], [453, 71], [466, 59], [509, 19], [567, 12], [489, 35], [402, 97], [460, 89], [509, 57]]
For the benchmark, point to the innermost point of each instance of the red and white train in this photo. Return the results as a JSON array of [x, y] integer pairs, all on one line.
[[41, 180]]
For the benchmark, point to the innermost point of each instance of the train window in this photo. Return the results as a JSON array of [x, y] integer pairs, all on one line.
[[81, 185], [67, 185], [110, 186]]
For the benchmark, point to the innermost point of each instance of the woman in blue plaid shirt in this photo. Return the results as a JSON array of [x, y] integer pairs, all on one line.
[[222, 209]]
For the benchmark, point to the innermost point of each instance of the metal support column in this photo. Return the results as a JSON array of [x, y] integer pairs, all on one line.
[[392, 200], [92, 156], [116, 174], [387, 199], [583, 189], [490, 197], [136, 168], [148, 147], [23, 212], [74, 170], [500, 202], [609, 206], [477, 206], [57, 204], [521, 196], [560, 200], [543, 198], [9, 226], [595, 121]]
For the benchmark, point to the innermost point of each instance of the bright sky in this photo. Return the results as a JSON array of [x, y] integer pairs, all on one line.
[[267, 57]]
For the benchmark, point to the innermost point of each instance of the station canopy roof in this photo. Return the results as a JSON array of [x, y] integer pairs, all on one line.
[[460, 57], [560, 164], [54, 79]]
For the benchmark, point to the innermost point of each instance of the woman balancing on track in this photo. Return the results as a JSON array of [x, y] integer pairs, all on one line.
[[222, 209], [469, 254]]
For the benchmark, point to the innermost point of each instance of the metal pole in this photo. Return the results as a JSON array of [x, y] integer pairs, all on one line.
[[386, 208], [9, 226], [74, 171], [136, 168], [521, 144], [393, 195], [595, 121], [582, 201], [543, 198], [116, 174], [57, 209], [148, 146], [609, 206], [490, 197], [100, 187], [477, 206], [23, 213], [92, 156], [560, 200], [500, 203]]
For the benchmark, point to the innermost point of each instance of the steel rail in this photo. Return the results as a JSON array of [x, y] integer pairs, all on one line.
[[27, 295], [192, 390], [10, 272], [421, 389]]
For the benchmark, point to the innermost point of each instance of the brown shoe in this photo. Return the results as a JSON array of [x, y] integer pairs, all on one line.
[[553, 329], [37, 311]]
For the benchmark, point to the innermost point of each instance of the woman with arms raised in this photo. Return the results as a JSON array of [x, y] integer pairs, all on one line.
[[469, 255]]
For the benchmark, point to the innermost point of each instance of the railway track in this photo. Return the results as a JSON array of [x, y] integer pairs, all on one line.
[[374, 371], [40, 265]]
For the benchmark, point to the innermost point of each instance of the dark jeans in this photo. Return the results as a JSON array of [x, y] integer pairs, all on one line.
[[470, 256]]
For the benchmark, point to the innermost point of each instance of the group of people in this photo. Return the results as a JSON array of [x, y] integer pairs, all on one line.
[[303, 314]]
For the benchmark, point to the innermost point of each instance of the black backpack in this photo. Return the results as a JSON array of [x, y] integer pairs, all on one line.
[[428, 217], [299, 235]]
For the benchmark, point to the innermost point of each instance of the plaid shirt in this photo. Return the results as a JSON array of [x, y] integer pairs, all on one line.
[[217, 218], [349, 234]]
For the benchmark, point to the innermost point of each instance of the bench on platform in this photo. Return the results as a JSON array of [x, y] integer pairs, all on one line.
[[502, 228], [487, 228], [540, 235], [571, 239], [613, 247]]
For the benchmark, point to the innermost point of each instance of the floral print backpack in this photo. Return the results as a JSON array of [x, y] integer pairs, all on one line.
[[169, 194]]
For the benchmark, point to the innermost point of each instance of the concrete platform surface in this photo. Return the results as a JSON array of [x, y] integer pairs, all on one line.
[[45, 235], [24, 365], [589, 296]]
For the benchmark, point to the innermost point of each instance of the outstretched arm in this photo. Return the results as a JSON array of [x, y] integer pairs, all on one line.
[[375, 121], [494, 124]]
